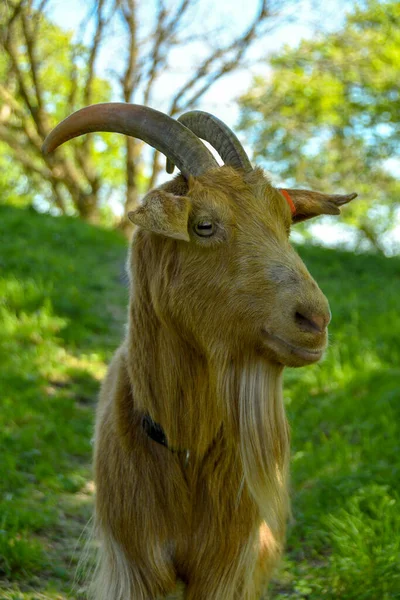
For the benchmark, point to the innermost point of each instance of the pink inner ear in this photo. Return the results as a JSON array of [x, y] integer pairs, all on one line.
[[292, 207]]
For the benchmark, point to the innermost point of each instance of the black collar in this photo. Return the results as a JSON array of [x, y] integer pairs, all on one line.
[[157, 434], [154, 430]]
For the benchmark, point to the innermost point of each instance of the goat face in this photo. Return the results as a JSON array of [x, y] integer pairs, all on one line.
[[223, 270], [224, 275]]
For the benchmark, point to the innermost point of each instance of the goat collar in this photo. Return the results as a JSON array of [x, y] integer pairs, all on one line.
[[292, 207], [157, 434]]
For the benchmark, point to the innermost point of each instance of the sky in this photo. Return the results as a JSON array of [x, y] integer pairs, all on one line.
[[304, 19]]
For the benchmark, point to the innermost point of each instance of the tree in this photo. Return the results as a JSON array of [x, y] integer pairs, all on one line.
[[45, 74], [38, 83], [328, 116]]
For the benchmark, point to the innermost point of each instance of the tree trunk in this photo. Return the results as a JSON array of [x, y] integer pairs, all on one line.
[[133, 148], [87, 203], [156, 169], [88, 210]]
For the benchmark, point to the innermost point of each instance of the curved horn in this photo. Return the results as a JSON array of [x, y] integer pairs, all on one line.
[[214, 131], [165, 134]]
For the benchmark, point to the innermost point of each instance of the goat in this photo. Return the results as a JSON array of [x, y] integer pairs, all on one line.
[[192, 442]]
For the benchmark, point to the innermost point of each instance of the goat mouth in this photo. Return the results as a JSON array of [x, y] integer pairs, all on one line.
[[281, 346]]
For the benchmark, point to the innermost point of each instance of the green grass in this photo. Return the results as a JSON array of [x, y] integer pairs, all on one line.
[[62, 310], [345, 418]]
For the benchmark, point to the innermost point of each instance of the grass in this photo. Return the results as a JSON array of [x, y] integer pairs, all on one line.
[[62, 310]]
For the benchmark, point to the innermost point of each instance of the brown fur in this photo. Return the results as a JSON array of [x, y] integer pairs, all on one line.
[[311, 204], [202, 357]]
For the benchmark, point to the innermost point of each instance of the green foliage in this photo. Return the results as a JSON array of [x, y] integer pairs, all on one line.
[[328, 117], [55, 51], [54, 75], [14, 185], [365, 538], [63, 305]]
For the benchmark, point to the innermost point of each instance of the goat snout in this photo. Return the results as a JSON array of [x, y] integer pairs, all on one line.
[[312, 321]]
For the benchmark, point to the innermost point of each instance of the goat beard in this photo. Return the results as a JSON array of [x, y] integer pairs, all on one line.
[[253, 396], [242, 393]]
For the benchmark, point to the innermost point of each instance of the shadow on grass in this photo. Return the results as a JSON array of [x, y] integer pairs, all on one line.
[[62, 311], [68, 269]]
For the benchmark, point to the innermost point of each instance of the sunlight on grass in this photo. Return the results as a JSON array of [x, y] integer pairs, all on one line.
[[55, 341], [62, 310], [365, 536]]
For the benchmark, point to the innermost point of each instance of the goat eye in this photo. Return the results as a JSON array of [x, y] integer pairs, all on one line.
[[204, 228]]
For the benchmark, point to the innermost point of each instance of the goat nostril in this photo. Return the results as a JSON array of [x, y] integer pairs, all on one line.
[[312, 322]]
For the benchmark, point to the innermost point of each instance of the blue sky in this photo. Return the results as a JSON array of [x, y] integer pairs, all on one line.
[[307, 17], [303, 19]]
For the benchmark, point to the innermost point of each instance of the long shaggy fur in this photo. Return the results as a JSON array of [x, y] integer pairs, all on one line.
[[216, 519]]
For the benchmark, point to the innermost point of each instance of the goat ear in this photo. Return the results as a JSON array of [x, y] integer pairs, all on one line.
[[309, 204], [163, 213]]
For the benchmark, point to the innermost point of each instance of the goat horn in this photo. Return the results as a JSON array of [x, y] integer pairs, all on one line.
[[158, 130], [214, 131]]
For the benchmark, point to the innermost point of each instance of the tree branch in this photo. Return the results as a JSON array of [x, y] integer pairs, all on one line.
[[71, 100], [128, 12], [128, 80], [97, 38], [159, 37], [155, 169], [58, 197], [8, 46], [16, 11], [23, 156], [39, 114], [164, 37], [204, 72]]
